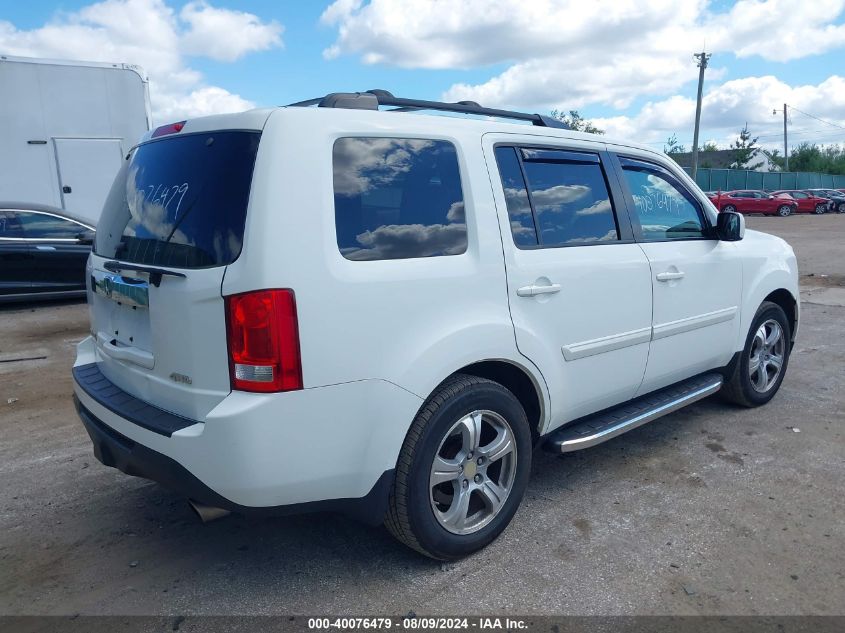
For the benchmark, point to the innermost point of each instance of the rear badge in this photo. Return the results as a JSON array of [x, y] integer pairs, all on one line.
[[186, 380]]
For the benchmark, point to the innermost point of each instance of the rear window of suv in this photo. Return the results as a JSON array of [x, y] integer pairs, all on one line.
[[180, 201], [397, 198]]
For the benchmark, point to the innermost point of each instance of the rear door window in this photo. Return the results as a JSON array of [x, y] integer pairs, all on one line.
[[45, 226], [566, 201], [397, 198], [181, 201]]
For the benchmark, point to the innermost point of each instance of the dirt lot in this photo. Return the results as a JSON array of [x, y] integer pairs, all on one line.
[[712, 510]]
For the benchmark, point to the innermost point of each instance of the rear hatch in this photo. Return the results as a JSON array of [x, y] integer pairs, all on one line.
[[173, 221]]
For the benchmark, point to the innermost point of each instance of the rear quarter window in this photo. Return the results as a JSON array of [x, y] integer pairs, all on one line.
[[397, 198]]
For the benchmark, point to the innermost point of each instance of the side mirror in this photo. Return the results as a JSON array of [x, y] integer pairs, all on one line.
[[86, 237], [730, 226]]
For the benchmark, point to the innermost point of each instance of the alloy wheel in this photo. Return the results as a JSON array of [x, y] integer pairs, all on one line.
[[768, 351], [473, 472]]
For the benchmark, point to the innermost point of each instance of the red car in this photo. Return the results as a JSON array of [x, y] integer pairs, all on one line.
[[754, 201], [808, 202]]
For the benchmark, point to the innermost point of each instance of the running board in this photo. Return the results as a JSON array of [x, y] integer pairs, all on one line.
[[600, 427]]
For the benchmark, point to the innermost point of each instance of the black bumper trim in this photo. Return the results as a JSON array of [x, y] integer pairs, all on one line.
[[104, 392], [118, 451]]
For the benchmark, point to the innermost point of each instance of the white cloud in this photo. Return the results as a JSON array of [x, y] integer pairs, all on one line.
[[728, 106], [570, 53], [393, 241], [201, 102], [778, 30], [226, 35], [149, 33]]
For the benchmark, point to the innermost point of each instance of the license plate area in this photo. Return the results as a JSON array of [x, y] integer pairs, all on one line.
[[122, 290], [121, 311]]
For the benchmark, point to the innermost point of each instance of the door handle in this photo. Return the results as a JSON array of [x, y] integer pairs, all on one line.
[[669, 276], [533, 291]]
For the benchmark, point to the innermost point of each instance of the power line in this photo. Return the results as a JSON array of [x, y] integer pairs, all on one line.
[[800, 132], [813, 116]]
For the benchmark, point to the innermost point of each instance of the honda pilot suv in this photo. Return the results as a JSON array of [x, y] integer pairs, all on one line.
[[348, 304]]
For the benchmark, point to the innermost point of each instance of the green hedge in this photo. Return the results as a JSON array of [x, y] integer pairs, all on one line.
[[730, 179]]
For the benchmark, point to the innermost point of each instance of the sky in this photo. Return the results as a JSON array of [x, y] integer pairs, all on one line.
[[626, 64]]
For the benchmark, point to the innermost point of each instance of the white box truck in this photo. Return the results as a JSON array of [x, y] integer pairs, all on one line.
[[65, 127]]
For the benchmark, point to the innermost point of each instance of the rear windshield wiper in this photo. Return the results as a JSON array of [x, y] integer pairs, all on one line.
[[155, 273]]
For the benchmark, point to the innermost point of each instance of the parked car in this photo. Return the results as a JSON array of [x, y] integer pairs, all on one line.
[[754, 201], [43, 251], [313, 308], [836, 199], [808, 202]]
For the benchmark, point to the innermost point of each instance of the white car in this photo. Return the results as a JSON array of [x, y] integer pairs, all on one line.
[[329, 306]]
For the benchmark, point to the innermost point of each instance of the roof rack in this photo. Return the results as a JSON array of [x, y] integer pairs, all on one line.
[[372, 99]]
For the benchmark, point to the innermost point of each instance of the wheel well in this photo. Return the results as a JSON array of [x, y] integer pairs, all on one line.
[[785, 300], [517, 381]]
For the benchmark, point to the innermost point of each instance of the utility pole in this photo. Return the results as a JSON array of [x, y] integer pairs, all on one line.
[[702, 58], [785, 150], [785, 146]]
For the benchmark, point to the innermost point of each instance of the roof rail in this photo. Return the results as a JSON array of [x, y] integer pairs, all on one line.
[[372, 99]]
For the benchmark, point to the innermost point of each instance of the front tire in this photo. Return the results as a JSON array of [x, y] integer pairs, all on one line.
[[729, 208], [841, 207], [762, 364], [462, 470]]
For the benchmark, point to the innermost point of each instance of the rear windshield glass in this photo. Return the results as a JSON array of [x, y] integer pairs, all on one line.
[[180, 201]]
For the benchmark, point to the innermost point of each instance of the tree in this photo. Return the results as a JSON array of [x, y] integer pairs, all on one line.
[[826, 159], [745, 148], [576, 122], [673, 146], [709, 146]]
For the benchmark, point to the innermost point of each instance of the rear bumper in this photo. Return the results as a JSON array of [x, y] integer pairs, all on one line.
[[331, 448], [118, 451]]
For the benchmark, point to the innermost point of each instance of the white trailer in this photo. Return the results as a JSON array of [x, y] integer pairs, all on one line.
[[64, 130]]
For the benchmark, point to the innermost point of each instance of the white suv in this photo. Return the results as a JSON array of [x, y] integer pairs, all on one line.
[[385, 312]]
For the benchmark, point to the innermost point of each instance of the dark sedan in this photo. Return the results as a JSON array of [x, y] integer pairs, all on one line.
[[837, 198], [43, 252]]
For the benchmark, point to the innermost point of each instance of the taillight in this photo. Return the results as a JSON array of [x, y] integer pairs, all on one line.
[[170, 128], [263, 339]]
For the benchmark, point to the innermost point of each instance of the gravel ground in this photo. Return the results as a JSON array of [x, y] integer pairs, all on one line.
[[712, 510]]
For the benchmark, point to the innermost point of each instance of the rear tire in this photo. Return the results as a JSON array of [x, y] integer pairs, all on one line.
[[462, 470], [758, 374], [821, 208], [841, 207], [784, 210]]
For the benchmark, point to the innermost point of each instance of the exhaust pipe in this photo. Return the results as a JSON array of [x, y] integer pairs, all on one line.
[[207, 513]]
